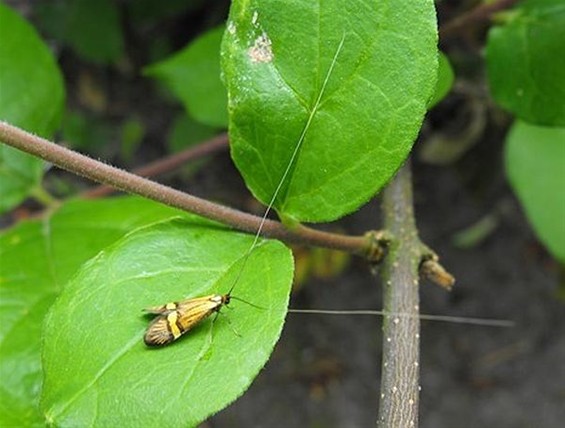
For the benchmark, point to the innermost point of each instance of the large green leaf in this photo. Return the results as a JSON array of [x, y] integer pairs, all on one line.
[[535, 163], [36, 259], [526, 62], [345, 84], [98, 371], [193, 75], [31, 96]]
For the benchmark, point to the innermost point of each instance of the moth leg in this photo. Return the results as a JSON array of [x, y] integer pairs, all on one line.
[[211, 331], [229, 323]]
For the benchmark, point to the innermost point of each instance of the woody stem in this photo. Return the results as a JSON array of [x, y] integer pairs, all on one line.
[[401, 335]]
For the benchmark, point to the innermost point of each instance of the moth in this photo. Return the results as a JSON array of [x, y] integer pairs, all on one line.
[[177, 318]]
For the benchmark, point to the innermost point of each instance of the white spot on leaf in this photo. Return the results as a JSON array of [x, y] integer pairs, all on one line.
[[261, 51], [231, 28]]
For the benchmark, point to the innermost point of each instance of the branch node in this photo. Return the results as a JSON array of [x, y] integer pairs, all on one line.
[[435, 272], [377, 244]]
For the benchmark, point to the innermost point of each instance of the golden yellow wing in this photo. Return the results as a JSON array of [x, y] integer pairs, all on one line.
[[175, 319]]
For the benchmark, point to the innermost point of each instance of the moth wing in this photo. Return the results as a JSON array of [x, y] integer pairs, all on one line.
[[158, 332], [196, 303], [192, 311], [161, 310], [156, 310]]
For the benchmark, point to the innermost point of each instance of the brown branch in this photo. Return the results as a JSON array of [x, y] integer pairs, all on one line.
[[168, 163], [480, 13], [131, 183]]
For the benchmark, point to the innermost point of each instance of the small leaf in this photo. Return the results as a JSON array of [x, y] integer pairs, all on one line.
[[93, 344], [186, 132], [86, 131], [31, 96], [91, 28], [526, 64], [346, 86], [150, 12], [133, 130], [535, 164], [193, 75], [37, 259], [444, 82]]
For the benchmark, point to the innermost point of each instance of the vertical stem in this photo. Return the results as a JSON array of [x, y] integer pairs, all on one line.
[[401, 335]]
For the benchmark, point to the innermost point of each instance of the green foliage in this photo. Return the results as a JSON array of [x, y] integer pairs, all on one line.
[[335, 81], [145, 12], [91, 28], [132, 133], [535, 163], [93, 348], [526, 71], [444, 82], [344, 84], [193, 75], [85, 131], [186, 132], [31, 96], [38, 258], [526, 62]]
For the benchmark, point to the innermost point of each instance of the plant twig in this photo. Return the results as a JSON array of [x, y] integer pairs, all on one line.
[[131, 183], [407, 260], [167, 164], [480, 13], [399, 397]]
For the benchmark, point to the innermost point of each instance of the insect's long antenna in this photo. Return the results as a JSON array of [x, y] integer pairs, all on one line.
[[245, 301], [289, 165], [443, 318]]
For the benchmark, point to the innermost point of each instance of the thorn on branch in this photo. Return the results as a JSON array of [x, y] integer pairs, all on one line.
[[435, 272]]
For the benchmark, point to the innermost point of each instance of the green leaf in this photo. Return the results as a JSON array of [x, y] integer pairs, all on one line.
[[150, 12], [535, 164], [526, 64], [85, 131], [444, 82], [91, 28], [133, 130], [31, 96], [93, 344], [193, 75], [186, 132], [37, 258], [346, 86]]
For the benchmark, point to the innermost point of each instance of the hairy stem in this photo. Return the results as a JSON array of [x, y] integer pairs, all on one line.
[[401, 335], [98, 171], [168, 163]]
